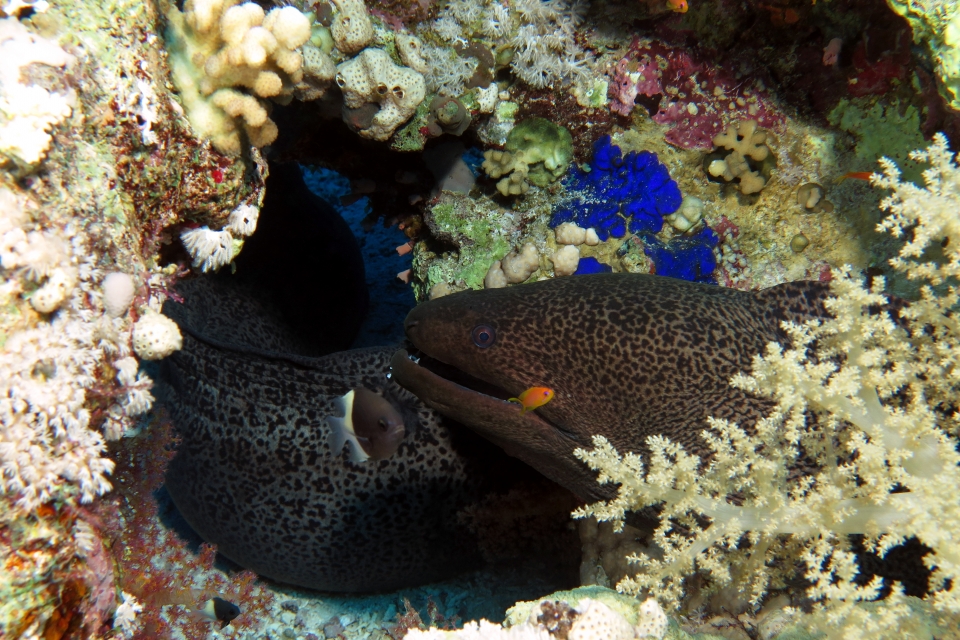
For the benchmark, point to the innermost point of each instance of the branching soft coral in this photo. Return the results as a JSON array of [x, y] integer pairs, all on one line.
[[867, 396]]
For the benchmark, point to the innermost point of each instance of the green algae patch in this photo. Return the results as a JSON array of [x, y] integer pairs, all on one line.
[[469, 237], [882, 130]]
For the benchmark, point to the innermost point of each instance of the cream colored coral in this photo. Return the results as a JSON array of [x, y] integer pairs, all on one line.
[[566, 260], [495, 278], [570, 233], [498, 163], [745, 139], [518, 266], [217, 48], [352, 28], [290, 27], [156, 336], [743, 142], [373, 78]]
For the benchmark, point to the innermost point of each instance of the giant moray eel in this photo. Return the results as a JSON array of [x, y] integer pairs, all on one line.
[[255, 475], [628, 355], [249, 394]]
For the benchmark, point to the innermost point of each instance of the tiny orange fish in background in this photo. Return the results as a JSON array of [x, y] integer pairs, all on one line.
[[857, 175], [680, 6], [533, 398]]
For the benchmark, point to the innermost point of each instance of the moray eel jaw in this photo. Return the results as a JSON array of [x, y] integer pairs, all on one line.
[[527, 436]]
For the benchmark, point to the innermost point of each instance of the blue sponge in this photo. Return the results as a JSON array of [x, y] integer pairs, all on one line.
[[590, 265], [685, 257], [620, 193]]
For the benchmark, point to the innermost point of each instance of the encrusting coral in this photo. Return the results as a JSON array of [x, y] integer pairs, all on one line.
[[865, 397], [28, 111]]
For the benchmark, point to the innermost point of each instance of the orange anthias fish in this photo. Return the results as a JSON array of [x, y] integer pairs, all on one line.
[[680, 6], [533, 398], [857, 175]]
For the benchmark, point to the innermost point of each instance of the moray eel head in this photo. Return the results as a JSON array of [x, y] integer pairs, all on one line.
[[473, 350]]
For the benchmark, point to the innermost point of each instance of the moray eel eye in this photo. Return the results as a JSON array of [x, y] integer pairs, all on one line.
[[484, 336], [383, 424]]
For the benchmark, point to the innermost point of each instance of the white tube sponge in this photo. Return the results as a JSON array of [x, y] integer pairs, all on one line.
[[156, 336], [372, 77], [28, 112]]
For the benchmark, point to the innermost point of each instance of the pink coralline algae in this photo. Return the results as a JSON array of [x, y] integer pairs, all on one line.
[[698, 98]]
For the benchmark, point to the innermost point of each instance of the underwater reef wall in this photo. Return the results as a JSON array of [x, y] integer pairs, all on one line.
[[731, 143]]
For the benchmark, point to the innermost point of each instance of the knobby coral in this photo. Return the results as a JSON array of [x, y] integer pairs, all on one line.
[[867, 395]]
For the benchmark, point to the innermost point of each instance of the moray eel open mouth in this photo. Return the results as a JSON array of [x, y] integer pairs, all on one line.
[[465, 398]]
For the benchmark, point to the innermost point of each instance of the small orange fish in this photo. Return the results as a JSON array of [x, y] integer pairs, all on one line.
[[857, 175], [680, 6], [533, 398]]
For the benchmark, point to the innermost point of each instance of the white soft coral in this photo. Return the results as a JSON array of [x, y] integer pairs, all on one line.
[[45, 437]]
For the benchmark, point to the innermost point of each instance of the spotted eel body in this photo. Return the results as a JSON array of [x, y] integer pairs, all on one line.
[[254, 473]]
